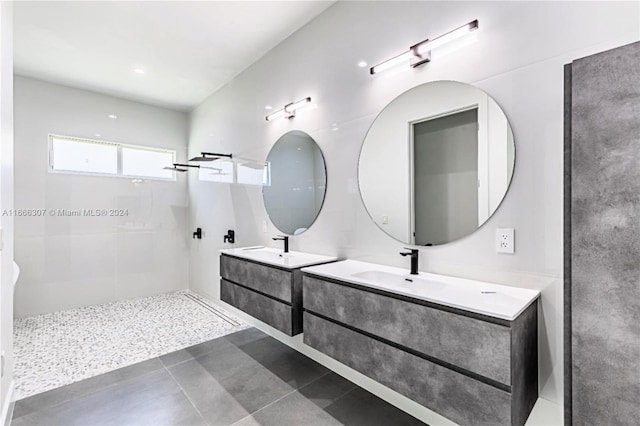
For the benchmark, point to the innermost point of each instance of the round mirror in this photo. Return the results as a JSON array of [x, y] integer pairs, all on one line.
[[296, 181], [436, 163]]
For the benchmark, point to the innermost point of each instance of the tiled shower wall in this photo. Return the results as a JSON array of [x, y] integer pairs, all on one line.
[[69, 262]]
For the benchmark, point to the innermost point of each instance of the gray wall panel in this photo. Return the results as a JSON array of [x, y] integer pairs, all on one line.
[[605, 238], [567, 245]]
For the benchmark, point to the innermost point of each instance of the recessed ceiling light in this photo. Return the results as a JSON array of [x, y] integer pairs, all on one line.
[[98, 135], [139, 71], [268, 107], [112, 116], [362, 64]]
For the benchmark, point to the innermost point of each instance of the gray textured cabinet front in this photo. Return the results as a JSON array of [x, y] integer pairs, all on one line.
[[270, 294], [458, 397], [274, 282], [450, 337], [470, 368], [602, 238]]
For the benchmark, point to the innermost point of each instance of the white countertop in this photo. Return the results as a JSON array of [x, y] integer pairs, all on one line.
[[277, 257], [484, 298]]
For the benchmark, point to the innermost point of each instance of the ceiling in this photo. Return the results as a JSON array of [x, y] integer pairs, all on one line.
[[183, 51]]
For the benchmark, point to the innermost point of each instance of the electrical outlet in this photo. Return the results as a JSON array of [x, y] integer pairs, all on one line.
[[505, 240]]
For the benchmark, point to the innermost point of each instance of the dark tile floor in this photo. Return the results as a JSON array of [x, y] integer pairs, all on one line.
[[245, 378]]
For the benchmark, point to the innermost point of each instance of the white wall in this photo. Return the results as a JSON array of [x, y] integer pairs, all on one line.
[[517, 59], [78, 261], [6, 202]]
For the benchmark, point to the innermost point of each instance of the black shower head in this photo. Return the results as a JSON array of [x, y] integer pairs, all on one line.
[[180, 167], [210, 156], [174, 168], [203, 158]]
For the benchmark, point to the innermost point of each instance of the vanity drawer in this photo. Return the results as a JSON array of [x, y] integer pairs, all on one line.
[[460, 398], [476, 346], [272, 281], [277, 314]]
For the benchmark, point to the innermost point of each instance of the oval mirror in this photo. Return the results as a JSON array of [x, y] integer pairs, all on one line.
[[436, 163], [296, 181]]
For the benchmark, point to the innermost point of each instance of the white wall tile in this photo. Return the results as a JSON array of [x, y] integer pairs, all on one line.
[[77, 261], [517, 59]]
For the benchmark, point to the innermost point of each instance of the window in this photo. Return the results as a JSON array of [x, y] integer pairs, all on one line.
[[244, 172], [216, 171], [76, 155], [146, 162], [85, 156], [251, 173]]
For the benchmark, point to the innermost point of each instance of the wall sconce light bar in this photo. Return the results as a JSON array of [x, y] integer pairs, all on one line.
[[275, 115], [420, 53], [289, 110], [210, 156]]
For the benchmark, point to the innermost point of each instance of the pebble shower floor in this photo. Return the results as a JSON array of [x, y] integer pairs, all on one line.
[[56, 349]]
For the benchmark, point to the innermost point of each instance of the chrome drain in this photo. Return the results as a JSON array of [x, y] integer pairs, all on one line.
[[213, 310]]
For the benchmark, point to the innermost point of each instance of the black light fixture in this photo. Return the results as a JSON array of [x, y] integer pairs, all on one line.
[[420, 53], [210, 156]]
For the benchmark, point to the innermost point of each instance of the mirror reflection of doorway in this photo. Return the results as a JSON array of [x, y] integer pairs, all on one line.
[[445, 177]]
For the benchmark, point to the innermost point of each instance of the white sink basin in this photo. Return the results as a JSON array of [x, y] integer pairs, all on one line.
[[276, 257], [495, 300], [402, 280]]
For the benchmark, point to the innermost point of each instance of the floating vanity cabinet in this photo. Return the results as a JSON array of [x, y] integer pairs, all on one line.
[[267, 293], [266, 284], [470, 367]]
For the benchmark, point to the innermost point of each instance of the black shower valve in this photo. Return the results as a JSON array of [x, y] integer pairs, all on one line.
[[198, 233], [230, 237]]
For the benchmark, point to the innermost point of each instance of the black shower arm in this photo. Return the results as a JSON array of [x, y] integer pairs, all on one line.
[[215, 154]]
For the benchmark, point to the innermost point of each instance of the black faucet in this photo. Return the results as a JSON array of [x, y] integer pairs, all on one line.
[[286, 242], [414, 259]]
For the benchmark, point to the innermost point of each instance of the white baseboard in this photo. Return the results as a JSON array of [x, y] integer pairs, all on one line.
[[6, 404]]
